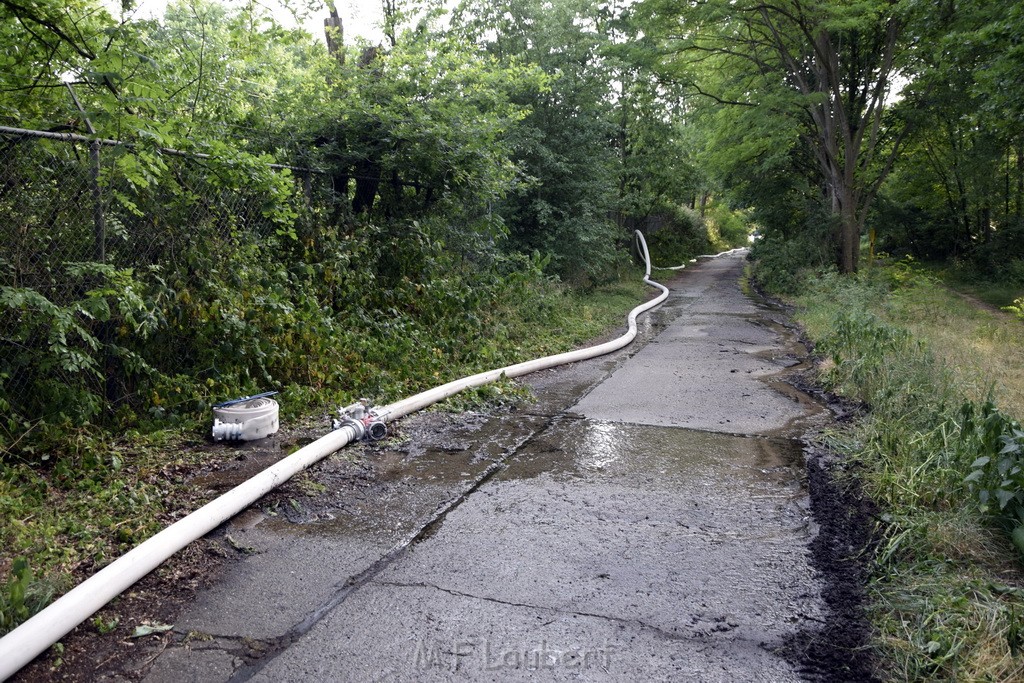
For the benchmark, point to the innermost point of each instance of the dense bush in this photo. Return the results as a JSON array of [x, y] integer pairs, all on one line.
[[725, 227], [375, 311], [779, 264], [1001, 257], [682, 235], [229, 278]]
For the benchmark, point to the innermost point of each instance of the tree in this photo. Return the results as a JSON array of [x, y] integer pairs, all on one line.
[[43, 41], [422, 128], [960, 190], [831, 66], [567, 185]]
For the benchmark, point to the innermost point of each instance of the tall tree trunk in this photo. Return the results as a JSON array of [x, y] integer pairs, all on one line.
[[334, 32], [849, 232]]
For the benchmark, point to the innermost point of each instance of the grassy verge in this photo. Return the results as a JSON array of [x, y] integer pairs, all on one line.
[[941, 453], [997, 293], [67, 515]]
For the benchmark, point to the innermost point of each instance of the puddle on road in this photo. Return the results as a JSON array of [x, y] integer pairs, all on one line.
[[391, 487], [662, 457], [795, 353], [715, 470], [702, 536]]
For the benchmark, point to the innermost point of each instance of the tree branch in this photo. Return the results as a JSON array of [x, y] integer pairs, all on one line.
[[23, 12]]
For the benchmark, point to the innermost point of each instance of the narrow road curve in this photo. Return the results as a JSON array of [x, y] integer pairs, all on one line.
[[647, 519]]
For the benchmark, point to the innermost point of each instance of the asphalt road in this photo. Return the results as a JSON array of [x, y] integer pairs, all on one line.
[[647, 519]]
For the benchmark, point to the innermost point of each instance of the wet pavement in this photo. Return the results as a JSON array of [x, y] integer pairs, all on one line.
[[645, 519]]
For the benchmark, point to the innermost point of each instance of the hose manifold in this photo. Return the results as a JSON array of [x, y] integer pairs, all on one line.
[[365, 422]]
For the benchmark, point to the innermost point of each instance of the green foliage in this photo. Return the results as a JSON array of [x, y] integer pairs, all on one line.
[[1017, 308], [676, 234], [566, 188], [964, 276], [780, 264], [861, 346], [774, 65], [104, 626], [997, 474], [21, 596], [726, 227], [13, 609], [58, 352], [943, 470], [424, 129], [959, 192], [683, 235]]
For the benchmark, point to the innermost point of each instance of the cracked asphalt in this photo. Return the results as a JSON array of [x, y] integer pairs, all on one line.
[[646, 519]]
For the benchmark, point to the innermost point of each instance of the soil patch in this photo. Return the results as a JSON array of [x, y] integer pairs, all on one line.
[[104, 647], [839, 649], [87, 654]]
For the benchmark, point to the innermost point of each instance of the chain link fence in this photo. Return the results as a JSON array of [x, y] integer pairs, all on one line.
[[100, 239]]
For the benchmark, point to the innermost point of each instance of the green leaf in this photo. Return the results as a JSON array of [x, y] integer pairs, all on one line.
[[1004, 497], [976, 475]]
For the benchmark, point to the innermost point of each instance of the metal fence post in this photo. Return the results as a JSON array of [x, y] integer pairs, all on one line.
[[98, 219], [99, 252]]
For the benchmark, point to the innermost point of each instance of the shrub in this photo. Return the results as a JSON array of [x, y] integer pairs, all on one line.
[[684, 236], [997, 473], [779, 263]]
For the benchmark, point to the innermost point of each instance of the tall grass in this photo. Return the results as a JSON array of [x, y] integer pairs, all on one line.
[[948, 592]]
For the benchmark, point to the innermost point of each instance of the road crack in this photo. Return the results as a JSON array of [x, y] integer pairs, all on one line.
[[620, 621], [353, 583]]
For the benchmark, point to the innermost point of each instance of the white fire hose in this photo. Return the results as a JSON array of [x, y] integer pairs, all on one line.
[[23, 644]]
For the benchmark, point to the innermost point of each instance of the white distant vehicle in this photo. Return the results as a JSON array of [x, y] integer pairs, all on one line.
[[754, 236]]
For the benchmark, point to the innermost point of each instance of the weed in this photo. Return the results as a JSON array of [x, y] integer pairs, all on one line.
[[1016, 308], [58, 659], [940, 459], [21, 596], [997, 474], [104, 625]]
